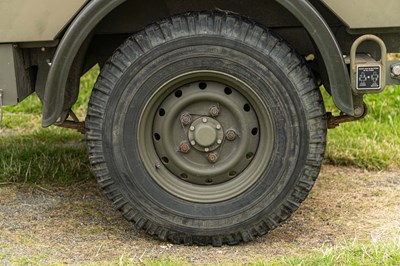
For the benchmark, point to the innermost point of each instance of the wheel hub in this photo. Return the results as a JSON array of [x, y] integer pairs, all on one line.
[[206, 134], [203, 136], [200, 134]]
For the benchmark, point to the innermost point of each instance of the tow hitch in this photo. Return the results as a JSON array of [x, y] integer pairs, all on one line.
[[367, 74]]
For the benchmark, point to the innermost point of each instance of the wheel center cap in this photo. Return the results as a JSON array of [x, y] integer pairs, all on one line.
[[205, 135]]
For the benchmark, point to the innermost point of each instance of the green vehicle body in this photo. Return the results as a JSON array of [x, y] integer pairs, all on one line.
[[47, 45]]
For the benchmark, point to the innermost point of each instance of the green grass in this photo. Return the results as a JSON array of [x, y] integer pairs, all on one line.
[[372, 142], [55, 156], [352, 253], [362, 254], [29, 153]]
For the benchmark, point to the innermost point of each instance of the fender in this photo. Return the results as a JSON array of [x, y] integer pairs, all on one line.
[[96, 10], [332, 55], [68, 48]]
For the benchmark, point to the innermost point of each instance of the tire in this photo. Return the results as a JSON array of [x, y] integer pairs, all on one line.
[[206, 129]]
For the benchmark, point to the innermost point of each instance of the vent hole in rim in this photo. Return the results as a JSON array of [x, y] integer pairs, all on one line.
[[249, 155], [202, 85], [178, 93], [232, 173], [228, 91]]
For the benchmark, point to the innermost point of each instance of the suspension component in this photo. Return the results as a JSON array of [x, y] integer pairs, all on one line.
[[335, 121], [74, 124]]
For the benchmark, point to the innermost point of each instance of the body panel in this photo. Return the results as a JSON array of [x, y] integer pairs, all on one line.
[[8, 79], [361, 14], [35, 20]]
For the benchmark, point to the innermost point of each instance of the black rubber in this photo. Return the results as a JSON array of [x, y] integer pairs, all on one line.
[[219, 42]]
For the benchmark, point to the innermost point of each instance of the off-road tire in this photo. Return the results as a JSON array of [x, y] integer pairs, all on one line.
[[221, 50]]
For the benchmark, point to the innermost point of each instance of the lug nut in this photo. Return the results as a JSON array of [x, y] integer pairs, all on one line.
[[212, 157], [214, 111], [184, 147], [205, 120], [186, 119], [231, 135]]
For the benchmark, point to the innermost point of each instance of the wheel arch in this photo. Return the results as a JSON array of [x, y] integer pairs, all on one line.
[[329, 49], [96, 11], [73, 39]]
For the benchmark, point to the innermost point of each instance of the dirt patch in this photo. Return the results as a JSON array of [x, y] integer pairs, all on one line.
[[77, 224]]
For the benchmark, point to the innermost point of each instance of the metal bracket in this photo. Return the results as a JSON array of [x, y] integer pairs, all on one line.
[[335, 121], [368, 75], [74, 124]]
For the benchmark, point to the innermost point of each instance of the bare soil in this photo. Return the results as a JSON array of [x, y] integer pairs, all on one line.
[[77, 224]]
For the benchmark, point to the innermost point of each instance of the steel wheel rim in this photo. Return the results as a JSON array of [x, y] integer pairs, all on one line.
[[241, 158]]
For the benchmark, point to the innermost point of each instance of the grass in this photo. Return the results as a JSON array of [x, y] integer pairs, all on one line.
[[373, 142], [353, 253], [29, 153], [356, 253]]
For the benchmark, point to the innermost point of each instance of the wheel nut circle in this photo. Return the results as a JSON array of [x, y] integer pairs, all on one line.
[[193, 163]]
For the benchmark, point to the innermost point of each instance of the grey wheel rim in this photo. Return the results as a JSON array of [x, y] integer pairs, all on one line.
[[205, 136]]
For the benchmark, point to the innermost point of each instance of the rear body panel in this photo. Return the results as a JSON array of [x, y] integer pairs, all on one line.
[[363, 14], [35, 20]]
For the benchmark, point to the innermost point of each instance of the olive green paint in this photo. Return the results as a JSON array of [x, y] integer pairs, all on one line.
[[35, 20], [361, 14], [8, 79]]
